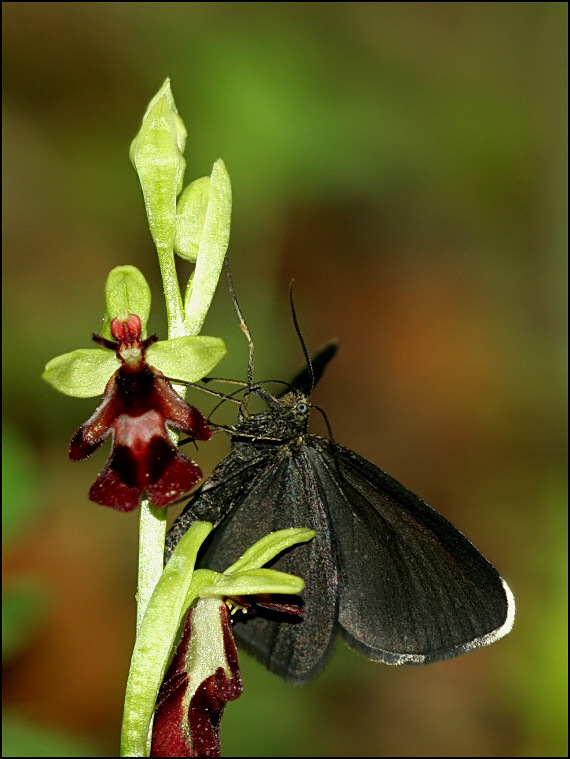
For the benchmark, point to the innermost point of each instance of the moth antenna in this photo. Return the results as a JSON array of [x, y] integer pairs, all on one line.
[[332, 443], [205, 380], [225, 398], [242, 325], [326, 419], [301, 340], [215, 428], [286, 385], [194, 386]]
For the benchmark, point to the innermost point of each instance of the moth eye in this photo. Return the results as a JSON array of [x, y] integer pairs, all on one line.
[[302, 407]]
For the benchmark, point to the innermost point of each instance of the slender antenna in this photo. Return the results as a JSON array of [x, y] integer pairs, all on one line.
[[194, 386], [325, 417], [242, 325], [300, 336]]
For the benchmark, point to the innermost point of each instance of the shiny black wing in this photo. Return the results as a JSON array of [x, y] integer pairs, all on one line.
[[412, 588], [218, 496], [395, 578], [285, 493]]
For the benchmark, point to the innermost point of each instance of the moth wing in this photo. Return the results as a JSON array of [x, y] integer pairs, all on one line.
[[284, 493], [217, 497], [412, 588]]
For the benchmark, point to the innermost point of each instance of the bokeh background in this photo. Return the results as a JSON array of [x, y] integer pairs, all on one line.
[[406, 164]]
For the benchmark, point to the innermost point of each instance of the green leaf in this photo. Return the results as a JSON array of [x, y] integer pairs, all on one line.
[[212, 249], [156, 154], [126, 292], [190, 218], [155, 640], [252, 582], [187, 358], [83, 373], [269, 547]]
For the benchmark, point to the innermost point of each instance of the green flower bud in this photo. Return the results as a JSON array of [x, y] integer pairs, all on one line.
[[156, 154]]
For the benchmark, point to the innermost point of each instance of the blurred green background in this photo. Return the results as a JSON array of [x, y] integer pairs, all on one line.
[[406, 164]]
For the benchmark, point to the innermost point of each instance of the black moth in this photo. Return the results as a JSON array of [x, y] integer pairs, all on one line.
[[399, 582]]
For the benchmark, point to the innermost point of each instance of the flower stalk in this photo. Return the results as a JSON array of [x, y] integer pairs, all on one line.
[[157, 155], [130, 369]]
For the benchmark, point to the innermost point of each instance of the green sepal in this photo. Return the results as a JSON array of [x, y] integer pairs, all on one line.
[[126, 292], [269, 547], [212, 248], [82, 373], [155, 639], [186, 358], [156, 154]]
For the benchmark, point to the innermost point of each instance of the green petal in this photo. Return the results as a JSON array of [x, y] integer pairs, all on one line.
[[126, 292], [212, 249], [156, 154], [269, 547], [252, 582], [187, 358], [190, 217], [83, 373]]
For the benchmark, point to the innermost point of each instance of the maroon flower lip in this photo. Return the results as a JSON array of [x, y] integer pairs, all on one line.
[[188, 713], [137, 405], [189, 709]]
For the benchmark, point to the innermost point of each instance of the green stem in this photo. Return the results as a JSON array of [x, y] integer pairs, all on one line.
[[152, 521], [156, 153], [172, 296], [152, 531]]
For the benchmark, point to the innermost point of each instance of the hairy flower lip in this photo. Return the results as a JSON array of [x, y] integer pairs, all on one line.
[[188, 712], [137, 405]]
